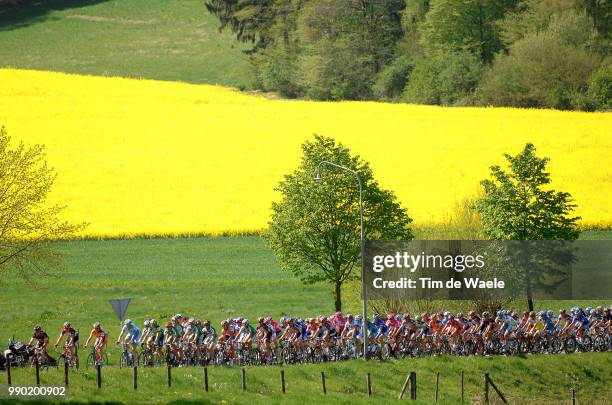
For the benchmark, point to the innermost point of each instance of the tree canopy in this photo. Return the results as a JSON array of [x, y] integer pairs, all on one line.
[[502, 52], [27, 221], [518, 204], [315, 227]]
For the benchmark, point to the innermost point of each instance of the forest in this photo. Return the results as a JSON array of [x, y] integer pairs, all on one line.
[[521, 53]]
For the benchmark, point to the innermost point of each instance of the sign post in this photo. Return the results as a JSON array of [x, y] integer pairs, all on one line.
[[120, 306]]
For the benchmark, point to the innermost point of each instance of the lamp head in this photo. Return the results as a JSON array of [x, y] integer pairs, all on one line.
[[318, 178]]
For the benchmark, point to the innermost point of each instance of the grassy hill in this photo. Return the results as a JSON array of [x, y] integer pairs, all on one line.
[[212, 278], [536, 379], [153, 39]]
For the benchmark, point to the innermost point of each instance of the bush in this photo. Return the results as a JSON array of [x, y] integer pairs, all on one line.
[[392, 79], [539, 71], [444, 77], [275, 70], [600, 87], [336, 71]]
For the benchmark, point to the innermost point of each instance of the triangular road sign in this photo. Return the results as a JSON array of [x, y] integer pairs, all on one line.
[[120, 306]]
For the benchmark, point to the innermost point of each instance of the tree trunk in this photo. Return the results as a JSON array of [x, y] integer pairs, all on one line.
[[530, 303], [338, 295]]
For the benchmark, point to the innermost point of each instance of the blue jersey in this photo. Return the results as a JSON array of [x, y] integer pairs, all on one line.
[[377, 326], [581, 318], [548, 324], [132, 334]]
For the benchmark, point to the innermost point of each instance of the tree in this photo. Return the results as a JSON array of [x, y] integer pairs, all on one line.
[[443, 77], [466, 24], [27, 222], [518, 204], [600, 87], [346, 44], [314, 229], [549, 68]]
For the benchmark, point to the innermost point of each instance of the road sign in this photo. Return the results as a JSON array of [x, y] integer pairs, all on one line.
[[120, 306]]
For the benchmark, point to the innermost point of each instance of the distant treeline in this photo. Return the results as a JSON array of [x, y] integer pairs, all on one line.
[[524, 53]]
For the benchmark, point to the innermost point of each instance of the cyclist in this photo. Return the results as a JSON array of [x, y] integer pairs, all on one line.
[[100, 343], [131, 336], [189, 339], [171, 340], [209, 338], [71, 340], [42, 343], [157, 338], [265, 334]]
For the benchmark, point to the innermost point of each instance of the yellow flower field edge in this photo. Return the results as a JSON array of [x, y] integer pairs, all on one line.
[[142, 158]]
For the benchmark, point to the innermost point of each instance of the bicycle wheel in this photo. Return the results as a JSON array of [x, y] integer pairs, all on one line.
[[91, 361]]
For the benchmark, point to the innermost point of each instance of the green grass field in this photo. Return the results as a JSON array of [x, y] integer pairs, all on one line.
[[217, 278], [523, 380], [212, 278], [209, 277], [152, 39]]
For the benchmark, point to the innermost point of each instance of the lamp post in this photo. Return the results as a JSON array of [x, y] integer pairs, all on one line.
[[364, 329]]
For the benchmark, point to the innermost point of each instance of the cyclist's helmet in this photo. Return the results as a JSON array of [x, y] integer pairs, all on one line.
[[260, 320], [376, 316], [127, 322], [207, 322], [97, 325], [37, 328], [550, 313], [153, 322], [246, 322], [359, 317], [485, 314], [66, 324], [459, 315], [588, 310], [500, 313], [283, 320], [147, 323]]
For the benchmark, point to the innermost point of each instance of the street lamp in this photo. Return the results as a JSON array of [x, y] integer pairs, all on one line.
[[364, 329]]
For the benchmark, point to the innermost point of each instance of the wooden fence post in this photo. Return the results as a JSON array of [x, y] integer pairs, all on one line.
[[135, 377], [37, 370], [206, 378], [401, 395], [437, 382], [486, 388], [169, 375], [573, 396], [66, 373], [413, 385], [282, 380], [369, 384], [497, 390], [99, 372], [323, 382], [8, 370], [243, 379], [461, 385]]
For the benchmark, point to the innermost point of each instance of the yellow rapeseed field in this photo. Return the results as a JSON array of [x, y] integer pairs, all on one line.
[[148, 157]]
